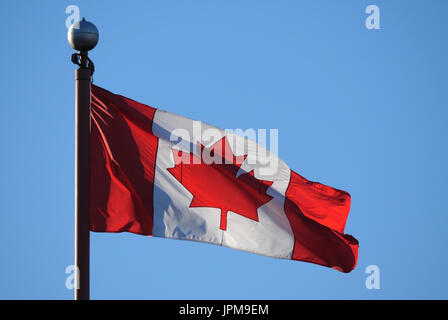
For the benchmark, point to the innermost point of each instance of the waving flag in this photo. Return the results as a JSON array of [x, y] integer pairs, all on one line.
[[160, 174]]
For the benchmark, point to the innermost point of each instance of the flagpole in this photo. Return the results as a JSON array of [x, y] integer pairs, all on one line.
[[82, 36]]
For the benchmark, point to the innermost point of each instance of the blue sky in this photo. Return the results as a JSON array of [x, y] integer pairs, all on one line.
[[361, 110]]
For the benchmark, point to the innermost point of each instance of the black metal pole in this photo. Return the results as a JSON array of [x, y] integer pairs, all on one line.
[[82, 36], [82, 228]]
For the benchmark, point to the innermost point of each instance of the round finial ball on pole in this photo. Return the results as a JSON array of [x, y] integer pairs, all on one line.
[[83, 35]]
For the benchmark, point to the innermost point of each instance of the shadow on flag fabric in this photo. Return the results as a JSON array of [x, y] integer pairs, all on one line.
[[160, 174]]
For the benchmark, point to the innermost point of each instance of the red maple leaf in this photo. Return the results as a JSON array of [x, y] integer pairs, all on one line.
[[216, 185]]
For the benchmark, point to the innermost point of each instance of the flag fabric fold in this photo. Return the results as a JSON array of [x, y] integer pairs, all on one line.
[[160, 174]]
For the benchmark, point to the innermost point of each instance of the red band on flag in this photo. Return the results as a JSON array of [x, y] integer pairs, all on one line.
[[317, 214], [122, 164]]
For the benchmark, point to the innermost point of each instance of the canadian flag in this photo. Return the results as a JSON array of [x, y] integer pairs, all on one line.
[[160, 174]]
